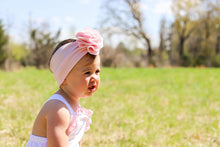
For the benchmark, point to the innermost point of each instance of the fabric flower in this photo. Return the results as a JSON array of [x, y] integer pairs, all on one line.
[[88, 114], [82, 114], [91, 40]]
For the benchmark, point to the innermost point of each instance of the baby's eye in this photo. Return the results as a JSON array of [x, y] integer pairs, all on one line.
[[87, 73], [97, 71]]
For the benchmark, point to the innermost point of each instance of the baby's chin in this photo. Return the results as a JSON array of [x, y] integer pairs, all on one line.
[[87, 95]]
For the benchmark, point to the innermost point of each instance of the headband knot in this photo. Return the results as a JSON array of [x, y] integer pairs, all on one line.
[[91, 40], [67, 56]]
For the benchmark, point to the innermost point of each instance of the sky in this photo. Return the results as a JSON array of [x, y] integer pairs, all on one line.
[[70, 15]]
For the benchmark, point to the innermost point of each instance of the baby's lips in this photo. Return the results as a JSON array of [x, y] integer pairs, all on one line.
[[92, 86]]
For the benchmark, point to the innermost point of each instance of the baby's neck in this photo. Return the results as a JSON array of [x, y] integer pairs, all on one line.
[[74, 102]]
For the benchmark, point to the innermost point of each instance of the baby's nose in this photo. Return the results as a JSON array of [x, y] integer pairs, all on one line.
[[94, 77]]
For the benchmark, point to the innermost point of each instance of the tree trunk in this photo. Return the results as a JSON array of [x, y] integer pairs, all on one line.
[[217, 49], [7, 64], [149, 53], [149, 48], [181, 47]]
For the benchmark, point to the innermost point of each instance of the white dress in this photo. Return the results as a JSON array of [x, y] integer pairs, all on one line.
[[79, 123]]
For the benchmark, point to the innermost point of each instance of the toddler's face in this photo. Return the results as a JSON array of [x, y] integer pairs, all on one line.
[[83, 80]]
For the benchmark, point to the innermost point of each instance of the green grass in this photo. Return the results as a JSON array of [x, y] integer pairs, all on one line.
[[132, 108]]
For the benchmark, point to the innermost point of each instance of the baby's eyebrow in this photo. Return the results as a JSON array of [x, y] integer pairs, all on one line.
[[86, 69]]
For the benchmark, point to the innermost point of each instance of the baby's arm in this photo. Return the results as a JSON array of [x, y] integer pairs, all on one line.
[[58, 118]]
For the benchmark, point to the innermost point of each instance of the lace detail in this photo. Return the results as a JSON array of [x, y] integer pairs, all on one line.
[[82, 118]]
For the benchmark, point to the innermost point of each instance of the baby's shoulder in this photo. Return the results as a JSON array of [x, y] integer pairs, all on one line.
[[56, 111]]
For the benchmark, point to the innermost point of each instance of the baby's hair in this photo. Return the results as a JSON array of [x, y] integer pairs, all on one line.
[[59, 45]]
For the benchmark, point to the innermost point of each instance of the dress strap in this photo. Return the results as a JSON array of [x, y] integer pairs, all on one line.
[[63, 100]]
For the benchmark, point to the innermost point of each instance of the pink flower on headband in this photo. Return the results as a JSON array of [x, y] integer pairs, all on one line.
[[91, 40]]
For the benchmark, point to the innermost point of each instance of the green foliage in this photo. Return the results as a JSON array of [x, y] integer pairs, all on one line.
[[19, 53], [216, 61], [199, 60], [186, 60], [3, 42], [195, 30], [133, 107]]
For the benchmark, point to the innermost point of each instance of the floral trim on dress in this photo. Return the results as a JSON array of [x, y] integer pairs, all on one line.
[[77, 121]]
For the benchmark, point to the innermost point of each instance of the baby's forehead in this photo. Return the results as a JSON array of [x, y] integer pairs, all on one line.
[[88, 61]]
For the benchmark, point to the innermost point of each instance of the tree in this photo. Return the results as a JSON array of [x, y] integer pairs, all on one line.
[[19, 53], [202, 45], [107, 56], [215, 5], [42, 44], [212, 21], [126, 15], [164, 39], [3, 42], [184, 24]]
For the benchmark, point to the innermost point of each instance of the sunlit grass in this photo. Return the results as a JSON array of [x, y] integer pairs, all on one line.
[[133, 107]]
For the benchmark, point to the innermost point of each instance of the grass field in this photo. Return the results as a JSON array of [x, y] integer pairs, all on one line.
[[132, 108]]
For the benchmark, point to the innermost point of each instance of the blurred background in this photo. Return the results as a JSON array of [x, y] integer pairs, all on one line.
[[137, 33], [137, 107]]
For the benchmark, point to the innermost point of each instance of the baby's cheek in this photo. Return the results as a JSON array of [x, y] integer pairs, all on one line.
[[98, 83]]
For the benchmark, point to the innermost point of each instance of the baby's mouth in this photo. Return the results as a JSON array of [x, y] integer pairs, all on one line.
[[92, 88]]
